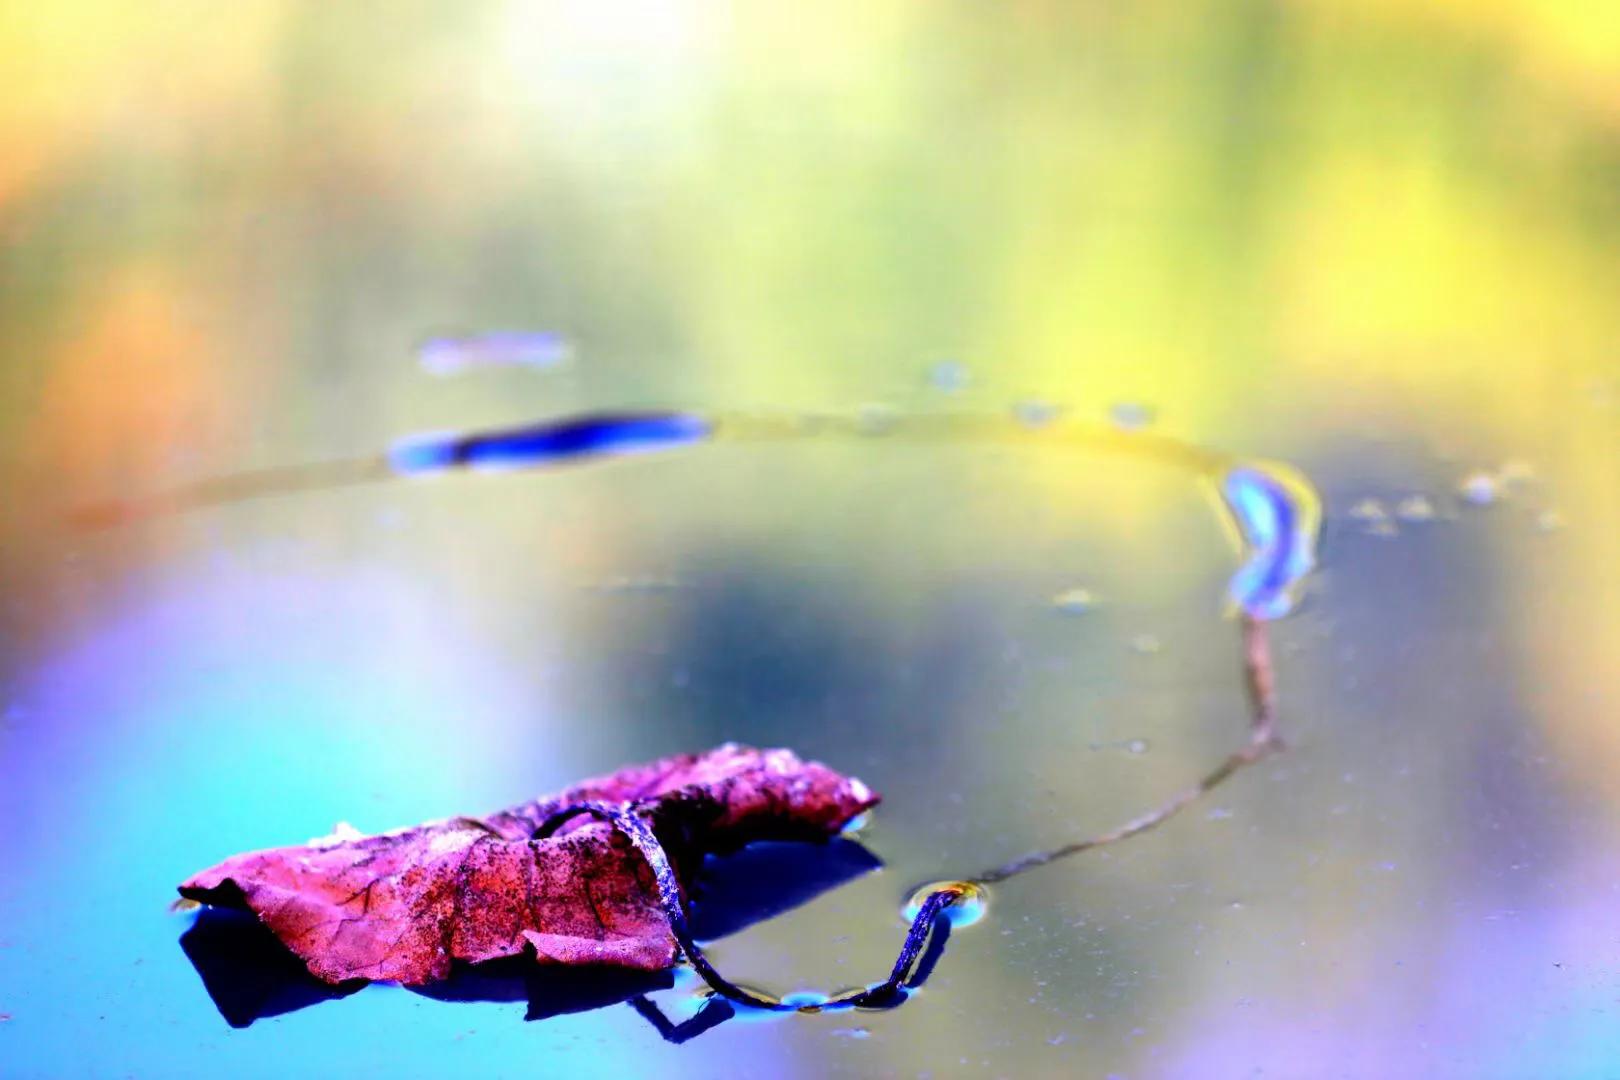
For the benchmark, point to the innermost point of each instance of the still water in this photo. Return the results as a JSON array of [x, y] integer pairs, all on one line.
[[1376, 246]]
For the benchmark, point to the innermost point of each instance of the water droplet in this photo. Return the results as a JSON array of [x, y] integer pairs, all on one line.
[[1382, 529], [1369, 510], [1136, 746], [1131, 415], [1146, 644], [973, 900], [1074, 601], [949, 376], [1415, 508], [876, 419], [1035, 414], [1479, 489], [806, 1001], [1374, 518]]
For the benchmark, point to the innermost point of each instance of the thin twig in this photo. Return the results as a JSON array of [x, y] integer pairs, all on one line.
[[1263, 741], [888, 992], [258, 483], [1260, 684]]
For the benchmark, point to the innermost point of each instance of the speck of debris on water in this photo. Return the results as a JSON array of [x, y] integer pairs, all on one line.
[[1479, 489], [1415, 508], [1074, 601]]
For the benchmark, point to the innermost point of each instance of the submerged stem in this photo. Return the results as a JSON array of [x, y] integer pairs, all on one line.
[[238, 487], [1262, 742], [624, 818], [1278, 536]]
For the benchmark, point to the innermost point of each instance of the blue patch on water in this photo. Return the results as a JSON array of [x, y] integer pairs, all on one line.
[[1279, 536], [423, 453], [500, 348], [541, 444]]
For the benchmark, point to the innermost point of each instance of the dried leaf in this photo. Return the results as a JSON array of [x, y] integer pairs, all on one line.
[[402, 905]]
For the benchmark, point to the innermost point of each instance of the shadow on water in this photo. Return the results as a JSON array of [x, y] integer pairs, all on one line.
[[716, 1010], [762, 881], [247, 972], [250, 975]]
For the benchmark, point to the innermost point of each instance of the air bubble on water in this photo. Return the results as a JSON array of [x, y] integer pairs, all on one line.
[[1415, 508], [1036, 414], [1137, 746], [875, 418], [814, 423], [1368, 511], [1479, 488], [949, 376], [1146, 644], [1074, 601], [1383, 529], [806, 1000], [1131, 415], [973, 901]]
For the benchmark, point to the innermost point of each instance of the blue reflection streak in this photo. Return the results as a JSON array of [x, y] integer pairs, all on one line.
[[601, 435], [499, 348], [1279, 526]]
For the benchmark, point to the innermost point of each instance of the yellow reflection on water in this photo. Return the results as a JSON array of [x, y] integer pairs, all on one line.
[[1337, 234]]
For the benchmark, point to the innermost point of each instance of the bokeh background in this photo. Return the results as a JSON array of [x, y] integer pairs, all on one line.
[[1376, 239]]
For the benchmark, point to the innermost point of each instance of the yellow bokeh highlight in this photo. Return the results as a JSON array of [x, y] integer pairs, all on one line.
[[1275, 224]]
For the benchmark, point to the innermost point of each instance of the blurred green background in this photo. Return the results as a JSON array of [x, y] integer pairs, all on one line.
[[1378, 240]]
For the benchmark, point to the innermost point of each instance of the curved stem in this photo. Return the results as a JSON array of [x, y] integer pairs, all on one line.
[[1262, 742], [624, 818]]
